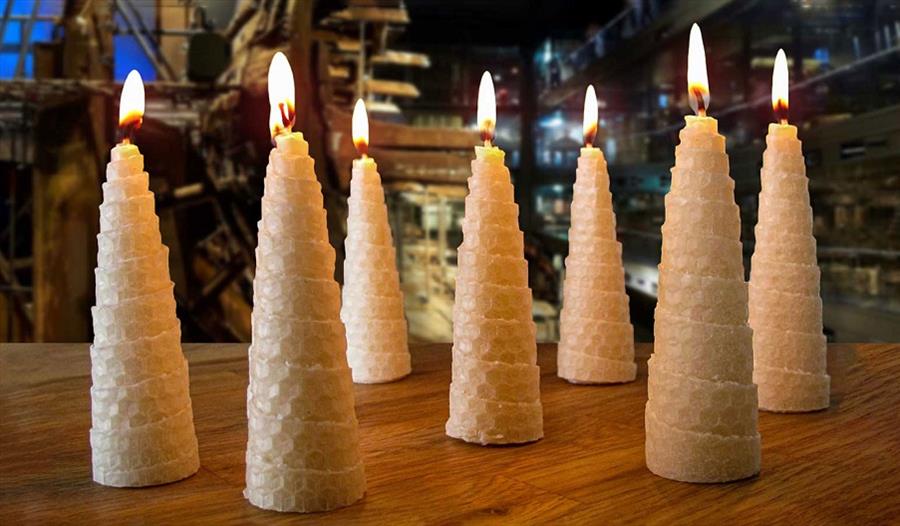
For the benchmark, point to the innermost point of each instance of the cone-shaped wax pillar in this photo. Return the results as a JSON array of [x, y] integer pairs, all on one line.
[[495, 392], [701, 416], [372, 309], [142, 424], [596, 343], [785, 308], [303, 444]]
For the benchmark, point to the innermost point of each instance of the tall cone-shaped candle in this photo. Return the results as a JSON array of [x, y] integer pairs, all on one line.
[[303, 444], [701, 416], [142, 424], [372, 308], [495, 391], [785, 308], [596, 343]]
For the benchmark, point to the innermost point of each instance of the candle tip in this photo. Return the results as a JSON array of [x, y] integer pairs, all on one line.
[[360, 128], [589, 124], [698, 80], [131, 106], [780, 87], [487, 107], [282, 111]]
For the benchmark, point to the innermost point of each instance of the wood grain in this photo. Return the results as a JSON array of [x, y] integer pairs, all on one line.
[[838, 466]]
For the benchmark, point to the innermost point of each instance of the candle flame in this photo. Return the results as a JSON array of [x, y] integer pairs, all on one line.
[[698, 82], [361, 128], [780, 87], [131, 105], [487, 108], [281, 95], [590, 116]]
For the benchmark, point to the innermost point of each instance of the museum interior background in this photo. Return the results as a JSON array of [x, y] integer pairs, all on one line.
[[417, 65]]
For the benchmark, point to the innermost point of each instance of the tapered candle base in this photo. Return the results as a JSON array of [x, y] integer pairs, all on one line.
[[785, 307], [494, 394], [303, 443], [142, 426], [701, 414]]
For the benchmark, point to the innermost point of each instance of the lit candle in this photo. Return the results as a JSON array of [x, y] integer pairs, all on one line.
[[789, 353], [701, 416], [302, 444], [142, 430], [596, 343], [372, 309], [495, 389]]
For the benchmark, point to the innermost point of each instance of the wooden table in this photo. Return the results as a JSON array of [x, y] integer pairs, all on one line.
[[838, 466]]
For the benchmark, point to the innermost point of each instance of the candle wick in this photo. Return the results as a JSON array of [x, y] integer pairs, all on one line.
[[700, 101], [784, 121]]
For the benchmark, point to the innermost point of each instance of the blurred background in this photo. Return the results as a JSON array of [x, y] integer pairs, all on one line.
[[417, 64]]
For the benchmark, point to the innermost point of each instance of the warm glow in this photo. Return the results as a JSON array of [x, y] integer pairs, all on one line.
[[698, 82], [131, 105], [590, 116], [780, 87], [281, 95], [487, 108], [361, 128]]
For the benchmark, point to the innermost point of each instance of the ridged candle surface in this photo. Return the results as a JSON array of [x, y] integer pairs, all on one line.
[[303, 443], [372, 310], [495, 390], [785, 308], [142, 430], [596, 342], [701, 416]]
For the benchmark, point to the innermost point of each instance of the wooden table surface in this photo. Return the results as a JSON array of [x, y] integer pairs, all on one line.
[[838, 466]]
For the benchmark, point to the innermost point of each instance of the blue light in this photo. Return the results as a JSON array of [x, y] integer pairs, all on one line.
[[8, 64], [13, 33], [663, 101], [553, 121], [129, 56], [41, 31]]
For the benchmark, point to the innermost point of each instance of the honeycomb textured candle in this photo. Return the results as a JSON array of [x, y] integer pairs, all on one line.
[[142, 424], [596, 342], [495, 389], [372, 309], [302, 444], [785, 306], [701, 416]]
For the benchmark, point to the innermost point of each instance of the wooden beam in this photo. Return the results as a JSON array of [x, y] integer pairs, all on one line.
[[369, 14], [402, 58], [392, 88], [407, 165], [374, 107], [66, 197], [338, 72], [390, 135], [348, 46], [173, 16]]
